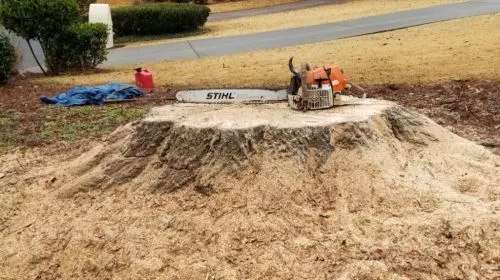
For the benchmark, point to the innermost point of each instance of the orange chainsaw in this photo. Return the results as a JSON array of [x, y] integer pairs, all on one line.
[[315, 88], [310, 89]]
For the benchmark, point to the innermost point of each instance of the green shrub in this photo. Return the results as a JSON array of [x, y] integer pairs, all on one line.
[[79, 47], [38, 19], [7, 58], [66, 44], [158, 19], [83, 7]]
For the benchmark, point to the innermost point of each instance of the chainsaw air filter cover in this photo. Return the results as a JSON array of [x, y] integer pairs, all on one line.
[[317, 99]]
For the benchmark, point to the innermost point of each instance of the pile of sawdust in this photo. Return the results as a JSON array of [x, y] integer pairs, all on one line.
[[369, 191]]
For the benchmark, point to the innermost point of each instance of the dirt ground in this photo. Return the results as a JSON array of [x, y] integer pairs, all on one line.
[[373, 192]]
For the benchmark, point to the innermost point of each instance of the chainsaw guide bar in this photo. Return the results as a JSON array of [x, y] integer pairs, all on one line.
[[231, 96]]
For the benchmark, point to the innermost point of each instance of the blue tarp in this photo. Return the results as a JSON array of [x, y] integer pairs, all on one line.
[[94, 95]]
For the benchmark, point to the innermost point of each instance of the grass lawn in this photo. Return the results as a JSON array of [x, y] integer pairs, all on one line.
[[245, 5], [440, 51], [127, 40], [305, 17]]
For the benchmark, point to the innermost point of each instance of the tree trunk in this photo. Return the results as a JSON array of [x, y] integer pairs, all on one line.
[[36, 59]]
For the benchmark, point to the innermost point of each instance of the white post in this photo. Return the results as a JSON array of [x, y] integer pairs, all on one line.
[[101, 13]]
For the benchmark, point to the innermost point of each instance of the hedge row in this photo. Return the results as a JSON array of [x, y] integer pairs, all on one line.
[[158, 19]]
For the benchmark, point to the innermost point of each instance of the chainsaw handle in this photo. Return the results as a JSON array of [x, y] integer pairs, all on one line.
[[328, 73]]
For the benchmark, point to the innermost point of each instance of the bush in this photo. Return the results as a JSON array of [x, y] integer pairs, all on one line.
[[83, 7], [79, 47], [54, 23], [38, 19], [158, 19], [7, 58]]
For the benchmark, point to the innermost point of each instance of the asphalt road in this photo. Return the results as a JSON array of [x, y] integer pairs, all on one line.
[[297, 36]]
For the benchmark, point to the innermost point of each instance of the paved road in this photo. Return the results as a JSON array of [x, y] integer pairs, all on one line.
[[304, 4], [302, 35]]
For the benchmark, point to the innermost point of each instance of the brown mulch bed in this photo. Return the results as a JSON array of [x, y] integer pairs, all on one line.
[[470, 109]]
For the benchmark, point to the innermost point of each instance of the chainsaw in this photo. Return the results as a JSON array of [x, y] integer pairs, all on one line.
[[309, 89]]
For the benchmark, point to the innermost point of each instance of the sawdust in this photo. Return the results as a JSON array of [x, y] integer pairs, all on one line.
[[368, 191]]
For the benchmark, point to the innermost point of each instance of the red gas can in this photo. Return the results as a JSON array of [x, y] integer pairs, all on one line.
[[144, 78]]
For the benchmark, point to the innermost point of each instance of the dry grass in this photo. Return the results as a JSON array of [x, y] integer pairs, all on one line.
[[304, 17], [245, 5], [116, 3], [459, 48], [216, 8]]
